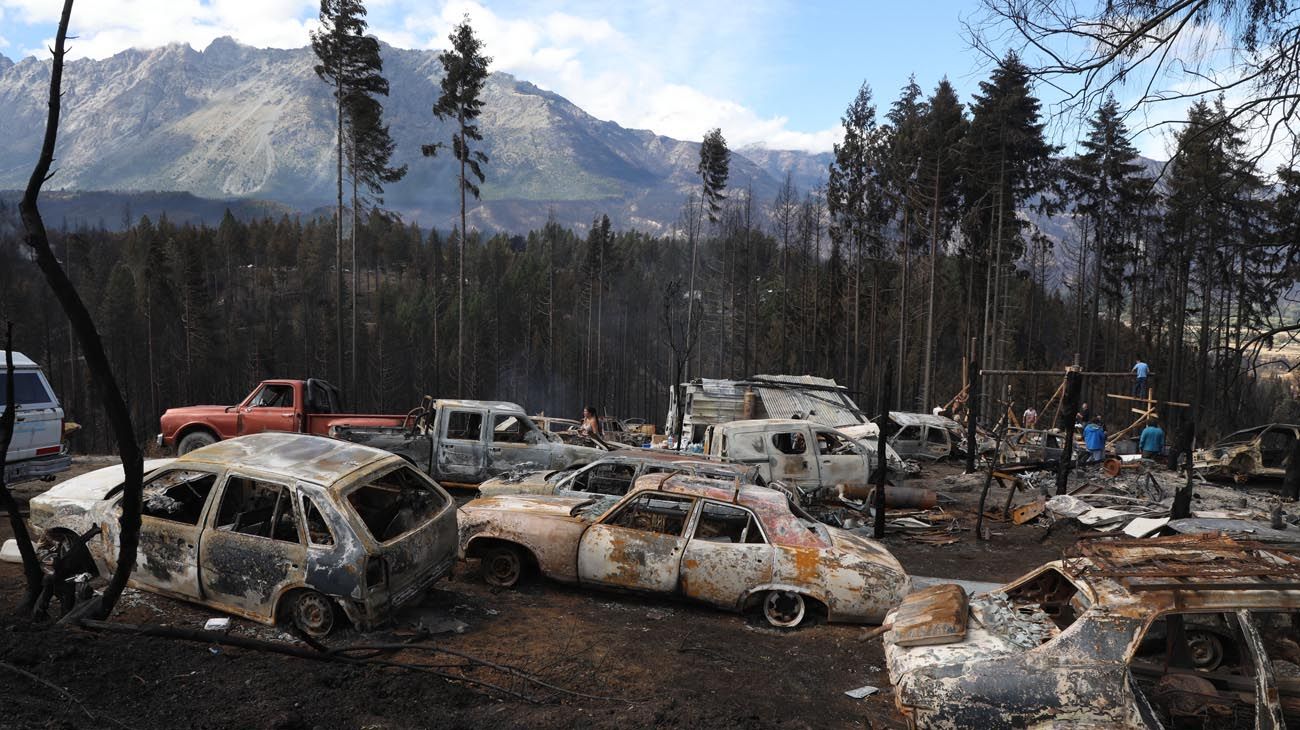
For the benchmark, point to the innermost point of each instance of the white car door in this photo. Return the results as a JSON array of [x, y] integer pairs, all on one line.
[[38, 423]]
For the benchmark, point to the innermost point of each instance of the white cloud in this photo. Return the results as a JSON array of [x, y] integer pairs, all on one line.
[[671, 67], [624, 71]]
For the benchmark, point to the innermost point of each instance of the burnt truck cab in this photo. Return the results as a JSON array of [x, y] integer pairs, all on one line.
[[1127, 633], [273, 527], [804, 454], [465, 442]]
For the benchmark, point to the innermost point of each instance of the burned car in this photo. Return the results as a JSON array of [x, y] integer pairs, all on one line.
[[1263, 451], [614, 475], [733, 546], [1183, 631], [271, 527]]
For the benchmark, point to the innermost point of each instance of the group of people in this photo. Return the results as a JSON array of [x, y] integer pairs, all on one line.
[[1151, 442]]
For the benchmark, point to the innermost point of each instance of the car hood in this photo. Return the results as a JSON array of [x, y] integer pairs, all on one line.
[[535, 504], [189, 413], [534, 482], [94, 486]]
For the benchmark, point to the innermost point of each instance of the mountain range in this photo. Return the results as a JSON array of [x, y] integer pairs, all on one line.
[[237, 123]]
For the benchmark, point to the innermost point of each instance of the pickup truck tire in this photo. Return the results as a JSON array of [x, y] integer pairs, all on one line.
[[502, 565], [194, 440], [311, 612]]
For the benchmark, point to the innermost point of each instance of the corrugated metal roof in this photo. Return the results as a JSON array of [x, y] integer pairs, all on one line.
[[829, 408]]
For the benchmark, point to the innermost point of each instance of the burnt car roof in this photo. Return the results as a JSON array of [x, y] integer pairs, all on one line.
[[301, 456], [1209, 572]]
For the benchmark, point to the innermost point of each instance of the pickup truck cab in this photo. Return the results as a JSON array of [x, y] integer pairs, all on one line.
[[801, 453], [465, 442], [36, 450], [297, 406]]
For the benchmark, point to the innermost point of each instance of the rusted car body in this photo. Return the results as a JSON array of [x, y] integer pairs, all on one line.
[[1122, 633], [272, 526], [1032, 445], [1263, 451], [725, 544], [614, 475]]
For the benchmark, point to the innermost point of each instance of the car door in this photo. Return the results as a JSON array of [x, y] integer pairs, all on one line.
[[38, 420], [792, 459], [252, 547], [937, 445], [461, 455], [1274, 448], [271, 408], [638, 545], [514, 441], [909, 442], [171, 522], [840, 460], [726, 556]]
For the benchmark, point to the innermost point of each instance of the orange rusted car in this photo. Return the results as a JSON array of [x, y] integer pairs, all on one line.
[[737, 547]]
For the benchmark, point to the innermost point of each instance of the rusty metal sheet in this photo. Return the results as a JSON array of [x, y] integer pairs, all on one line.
[[934, 615]]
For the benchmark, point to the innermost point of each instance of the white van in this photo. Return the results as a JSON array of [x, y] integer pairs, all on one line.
[[37, 450]]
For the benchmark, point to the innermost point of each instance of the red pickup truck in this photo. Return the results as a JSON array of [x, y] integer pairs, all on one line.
[[299, 406]]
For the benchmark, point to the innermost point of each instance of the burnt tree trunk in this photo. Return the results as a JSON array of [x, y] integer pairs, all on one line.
[[92, 346], [1291, 482]]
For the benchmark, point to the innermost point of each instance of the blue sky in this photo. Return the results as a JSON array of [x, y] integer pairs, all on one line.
[[775, 72]]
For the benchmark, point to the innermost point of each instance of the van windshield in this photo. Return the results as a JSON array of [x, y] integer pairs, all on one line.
[[28, 389]]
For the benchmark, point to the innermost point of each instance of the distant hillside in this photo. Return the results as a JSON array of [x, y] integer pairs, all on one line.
[[233, 122], [113, 210]]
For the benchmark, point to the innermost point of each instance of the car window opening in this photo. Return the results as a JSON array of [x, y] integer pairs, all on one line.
[[28, 389], [789, 442], [727, 524], [257, 508], [177, 495], [656, 512], [396, 503], [464, 425], [318, 530]]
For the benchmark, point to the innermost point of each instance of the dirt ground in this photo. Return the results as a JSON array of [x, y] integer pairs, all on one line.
[[660, 663]]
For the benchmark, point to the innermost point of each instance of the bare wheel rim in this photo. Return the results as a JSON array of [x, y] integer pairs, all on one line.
[[1206, 650], [313, 613], [784, 609], [502, 568]]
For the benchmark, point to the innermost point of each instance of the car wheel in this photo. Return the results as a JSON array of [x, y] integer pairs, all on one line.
[[783, 609], [1206, 650], [312, 613], [502, 566], [194, 440]]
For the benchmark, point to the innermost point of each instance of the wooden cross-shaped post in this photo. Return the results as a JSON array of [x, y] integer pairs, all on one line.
[[1144, 414]]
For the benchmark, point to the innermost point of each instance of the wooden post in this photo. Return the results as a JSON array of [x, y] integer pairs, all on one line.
[[972, 412], [1070, 402]]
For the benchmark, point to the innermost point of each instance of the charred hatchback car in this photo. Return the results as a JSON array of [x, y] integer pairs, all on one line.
[[734, 546], [1184, 631], [272, 527]]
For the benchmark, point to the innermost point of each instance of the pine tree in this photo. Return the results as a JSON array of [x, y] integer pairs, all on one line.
[[1106, 185], [340, 45], [1006, 161], [465, 71], [945, 128]]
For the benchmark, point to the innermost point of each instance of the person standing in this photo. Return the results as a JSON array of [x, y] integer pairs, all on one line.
[[1094, 437], [591, 423], [1141, 370], [1152, 441], [1030, 418], [1084, 415]]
